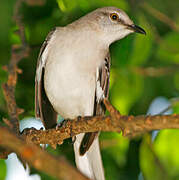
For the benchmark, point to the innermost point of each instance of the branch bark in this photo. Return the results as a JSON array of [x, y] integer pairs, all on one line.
[[129, 125], [55, 166]]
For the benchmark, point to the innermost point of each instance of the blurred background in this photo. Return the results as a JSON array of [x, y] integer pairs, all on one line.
[[144, 80]]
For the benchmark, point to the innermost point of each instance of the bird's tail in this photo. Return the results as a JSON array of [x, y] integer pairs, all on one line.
[[90, 164]]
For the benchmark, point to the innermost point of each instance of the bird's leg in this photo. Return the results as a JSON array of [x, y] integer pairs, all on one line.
[[78, 118], [111, 109]]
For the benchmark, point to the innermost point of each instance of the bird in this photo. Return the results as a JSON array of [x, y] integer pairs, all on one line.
[[72, 77]]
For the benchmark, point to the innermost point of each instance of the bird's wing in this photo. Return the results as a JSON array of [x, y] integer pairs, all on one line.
[[102, 91], [43, 107]]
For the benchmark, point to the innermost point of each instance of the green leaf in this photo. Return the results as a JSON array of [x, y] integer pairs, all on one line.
[[168, 49], [149, 162], [142, 44], [121, 4], [13, 37], [126, 88], [115, 145], [61, 5], [2, 169], [176, 80], [176, 109], [85, 5], [114, 148], [167, 149]]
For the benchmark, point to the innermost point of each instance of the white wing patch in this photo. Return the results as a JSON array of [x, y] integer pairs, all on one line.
[[99, 91], [39, 71]]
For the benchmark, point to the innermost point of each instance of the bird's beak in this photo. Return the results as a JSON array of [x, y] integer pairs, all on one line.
[[136, 29]]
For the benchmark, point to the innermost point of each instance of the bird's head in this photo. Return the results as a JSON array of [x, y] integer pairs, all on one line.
[[112, 23]]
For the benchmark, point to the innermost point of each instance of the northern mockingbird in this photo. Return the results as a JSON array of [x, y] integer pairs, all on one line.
[[72, 76]]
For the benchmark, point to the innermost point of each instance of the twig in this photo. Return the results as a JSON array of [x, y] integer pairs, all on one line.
[[18, 19], [35, 2], [17, 53], [4, 153], [155, 71], [161, 16]]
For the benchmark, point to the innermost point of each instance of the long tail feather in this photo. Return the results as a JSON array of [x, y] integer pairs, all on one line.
[[88, 139], [90, 163]]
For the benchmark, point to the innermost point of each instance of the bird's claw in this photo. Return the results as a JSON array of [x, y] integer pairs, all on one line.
[[63, 123]]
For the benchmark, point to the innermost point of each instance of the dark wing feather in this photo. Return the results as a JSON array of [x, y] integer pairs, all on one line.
[[99, 108], [43, 107]]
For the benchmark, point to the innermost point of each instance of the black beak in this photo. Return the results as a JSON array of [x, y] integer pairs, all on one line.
[[137, 29]]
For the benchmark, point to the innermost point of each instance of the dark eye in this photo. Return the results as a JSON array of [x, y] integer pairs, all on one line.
[[114, 16]]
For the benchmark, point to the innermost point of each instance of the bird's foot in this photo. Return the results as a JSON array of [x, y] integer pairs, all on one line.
[[78, 118], [61, 124]]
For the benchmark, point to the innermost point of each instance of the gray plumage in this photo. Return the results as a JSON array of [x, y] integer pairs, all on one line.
[[72, 76]]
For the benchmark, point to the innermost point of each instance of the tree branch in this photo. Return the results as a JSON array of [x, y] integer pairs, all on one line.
[[55, 166], [18, 52], [129, 125]]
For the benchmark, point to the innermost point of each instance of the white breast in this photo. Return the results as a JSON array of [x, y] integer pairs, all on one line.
[[70, 76]]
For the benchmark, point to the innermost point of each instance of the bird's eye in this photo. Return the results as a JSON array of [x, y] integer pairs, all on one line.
[[114, 16]]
